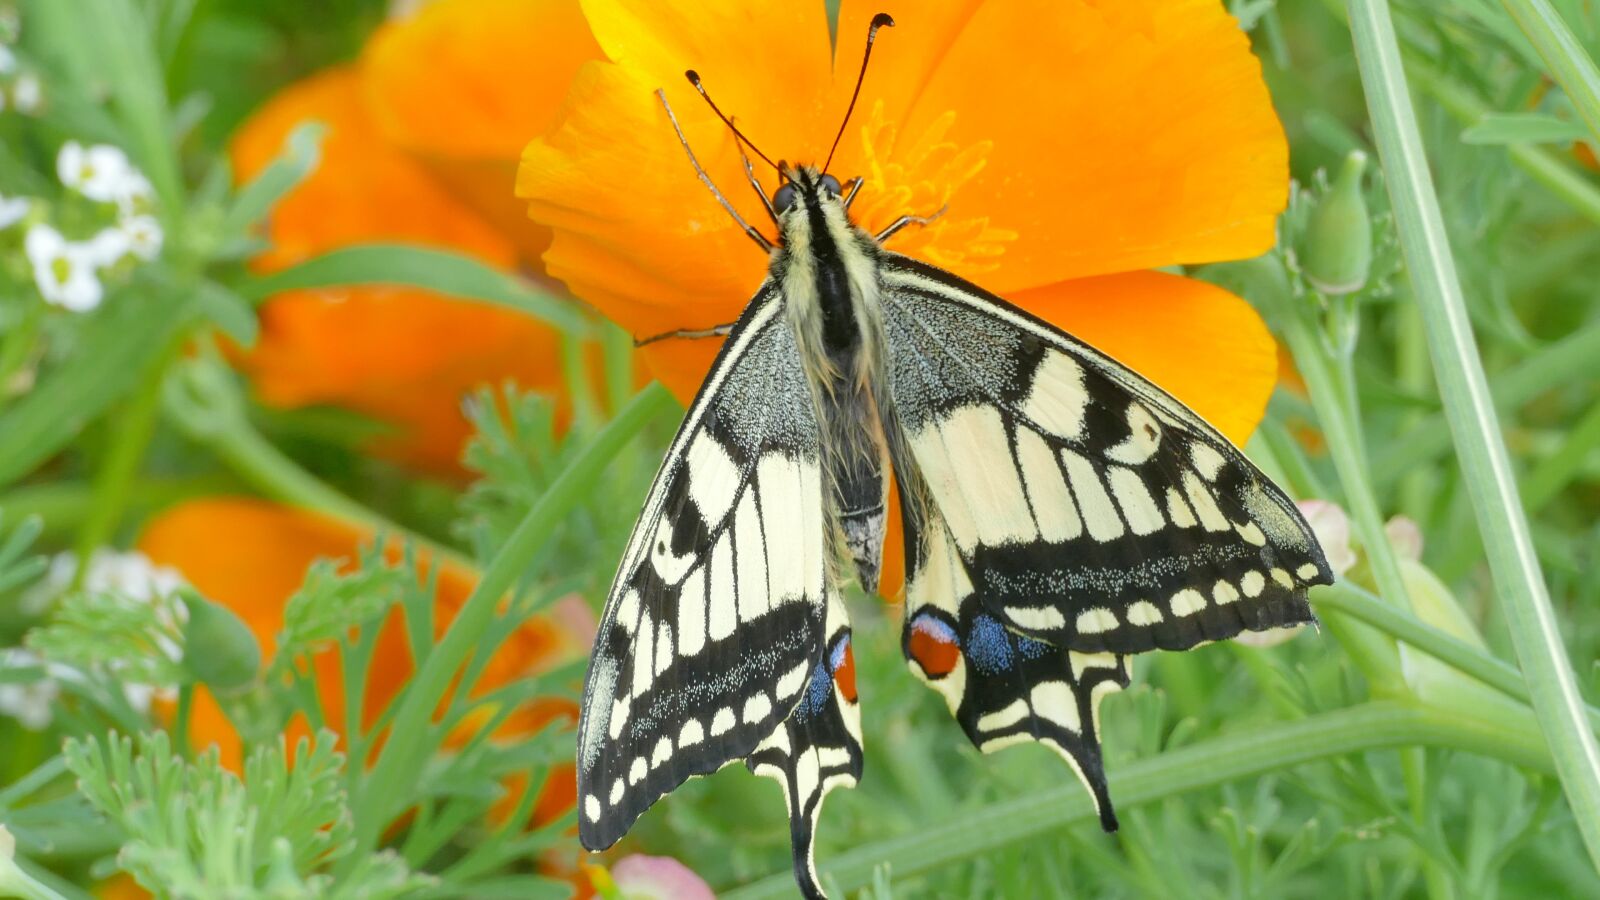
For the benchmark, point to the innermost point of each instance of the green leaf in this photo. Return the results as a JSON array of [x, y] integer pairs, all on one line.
[[128, 334], [228, 311], [410, 266], [138, 639], [302, 151], [17, 566], [1523, 128], [1563, 54], [197, 830]]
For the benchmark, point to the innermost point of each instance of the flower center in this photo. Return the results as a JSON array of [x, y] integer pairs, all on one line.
[[61, 268], [920, 177]]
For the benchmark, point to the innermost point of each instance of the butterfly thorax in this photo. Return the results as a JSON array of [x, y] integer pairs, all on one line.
[[830, 272]]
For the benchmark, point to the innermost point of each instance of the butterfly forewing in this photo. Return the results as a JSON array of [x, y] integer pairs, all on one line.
[[716, 621], [1091, 510]]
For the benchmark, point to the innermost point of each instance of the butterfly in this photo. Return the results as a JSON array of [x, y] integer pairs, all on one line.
[[1060, 513]]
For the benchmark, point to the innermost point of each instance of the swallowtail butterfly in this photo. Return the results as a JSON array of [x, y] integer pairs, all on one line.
[[1060, 512]]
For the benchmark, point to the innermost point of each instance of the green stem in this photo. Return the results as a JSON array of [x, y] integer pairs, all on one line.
[[1448, 649], [1485, 466], [132, 429], [977, 832], [1330, 396], [412, 740], [1568, 62]]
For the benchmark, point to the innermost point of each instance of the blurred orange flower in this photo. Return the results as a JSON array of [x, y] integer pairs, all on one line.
[[404, 357], [250, 556], [1074, 142], [496, 71]]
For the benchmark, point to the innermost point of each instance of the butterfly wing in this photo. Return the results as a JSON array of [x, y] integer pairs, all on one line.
[[716, 620], [1002, 687], [818, 748], [1091, 509]]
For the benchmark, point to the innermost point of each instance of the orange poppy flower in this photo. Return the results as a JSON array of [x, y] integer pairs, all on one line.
[[1075, 143], [495, 72], [404, 357], [250, 556]]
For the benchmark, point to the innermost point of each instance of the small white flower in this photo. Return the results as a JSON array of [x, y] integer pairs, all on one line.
[[29, 703], [134, 194], [26, 92], [108, 247], [63, 270], [143, 234], [98, 172], [12, 210], [8, 60]]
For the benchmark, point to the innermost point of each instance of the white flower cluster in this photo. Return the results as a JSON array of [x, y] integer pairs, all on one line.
[[66, 271], [131, 576]]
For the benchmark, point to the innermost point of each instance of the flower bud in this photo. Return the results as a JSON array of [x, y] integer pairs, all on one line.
[[218, 648], [1337, 252]]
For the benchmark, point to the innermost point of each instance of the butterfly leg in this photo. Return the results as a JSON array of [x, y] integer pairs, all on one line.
[[713, 331], [851, 191], [903, 221], [758, 237]]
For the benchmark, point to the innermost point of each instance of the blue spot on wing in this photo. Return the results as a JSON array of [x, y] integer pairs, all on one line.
[[988, 646], [1030, 648]]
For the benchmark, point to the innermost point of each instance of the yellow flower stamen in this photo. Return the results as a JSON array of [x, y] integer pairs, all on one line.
[[923, 180]]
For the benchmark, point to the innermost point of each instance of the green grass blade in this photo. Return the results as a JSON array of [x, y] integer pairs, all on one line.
[[1473, 422], [1569, 64], [436, 270]]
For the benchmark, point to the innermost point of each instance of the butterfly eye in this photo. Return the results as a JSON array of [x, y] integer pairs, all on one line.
[[783, 198], [831, 185]]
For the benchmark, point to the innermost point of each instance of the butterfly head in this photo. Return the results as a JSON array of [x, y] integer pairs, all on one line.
[[804, 186]]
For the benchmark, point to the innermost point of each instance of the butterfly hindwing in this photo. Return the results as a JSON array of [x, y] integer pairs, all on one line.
[[716, 620], [1002, 687], [818, 748], [1092, 510]]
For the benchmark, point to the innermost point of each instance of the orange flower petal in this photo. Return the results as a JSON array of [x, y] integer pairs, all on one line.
[[252, 555], [496, 71], [1152, 141], [1119, 136], [362, 190], [405, 357], [1196, 341]]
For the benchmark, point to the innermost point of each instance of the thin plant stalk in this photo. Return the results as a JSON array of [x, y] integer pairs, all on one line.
[[1475, 426]]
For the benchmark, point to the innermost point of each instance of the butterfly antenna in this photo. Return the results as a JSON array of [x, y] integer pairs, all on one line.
[[880, 20], [694, 79]]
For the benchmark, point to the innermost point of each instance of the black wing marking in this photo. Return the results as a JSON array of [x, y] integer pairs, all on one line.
[[716, 619], [1092, 510], [1002, 687], [818, 748]]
